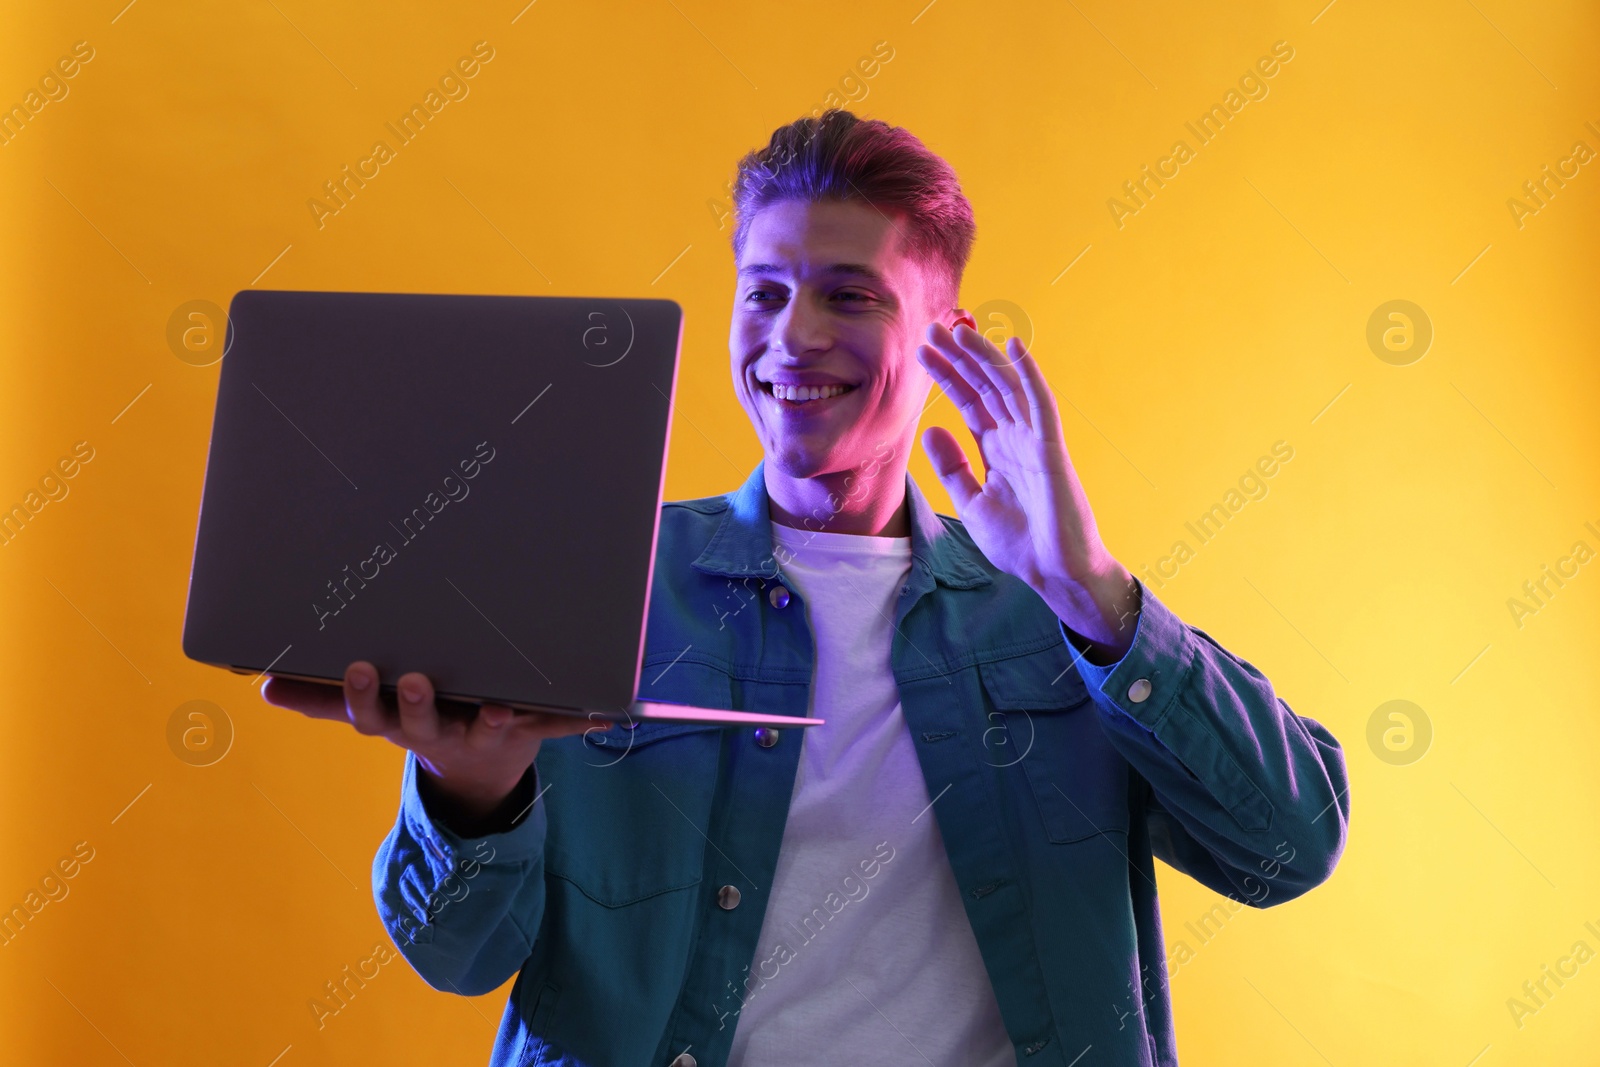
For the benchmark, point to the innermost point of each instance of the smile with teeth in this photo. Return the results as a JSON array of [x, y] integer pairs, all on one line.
[[800, 394]]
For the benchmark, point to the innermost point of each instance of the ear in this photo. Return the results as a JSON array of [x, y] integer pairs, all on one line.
[[960, 315]]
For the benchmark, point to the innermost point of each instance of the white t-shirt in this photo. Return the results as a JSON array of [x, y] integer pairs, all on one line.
[[866, 953]]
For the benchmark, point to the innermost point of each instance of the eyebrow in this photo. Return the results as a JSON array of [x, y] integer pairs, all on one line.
[[861, 270]]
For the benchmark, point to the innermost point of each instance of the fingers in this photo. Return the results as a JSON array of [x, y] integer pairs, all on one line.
[[496, 724], [364, 703], [562, 725], [418, 717], [974, 412], [488, 729], [315, 700], [1042, 410], [999, 368], [951, 465], [984, 370], [412, 718]]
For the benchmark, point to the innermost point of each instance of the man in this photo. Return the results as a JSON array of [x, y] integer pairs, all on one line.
[[957, 868]]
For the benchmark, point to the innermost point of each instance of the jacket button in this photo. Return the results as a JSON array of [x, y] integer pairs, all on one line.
[[766, 736], [684, 1060], [1139, 691], [779, 596], [728, 898]]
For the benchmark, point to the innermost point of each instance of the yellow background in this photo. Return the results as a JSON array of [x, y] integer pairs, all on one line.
[[587, 159]]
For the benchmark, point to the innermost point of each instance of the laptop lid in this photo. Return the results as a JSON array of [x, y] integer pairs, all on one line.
[[466, 486]]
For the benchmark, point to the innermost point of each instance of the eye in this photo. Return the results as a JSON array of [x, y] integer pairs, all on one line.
[[755, 296], [852, 296]]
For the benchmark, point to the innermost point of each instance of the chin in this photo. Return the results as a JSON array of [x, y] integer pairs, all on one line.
[[799, 461]]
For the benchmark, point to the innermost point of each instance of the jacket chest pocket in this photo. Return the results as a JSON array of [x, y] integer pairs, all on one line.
[[1078, 780], [629, 809]]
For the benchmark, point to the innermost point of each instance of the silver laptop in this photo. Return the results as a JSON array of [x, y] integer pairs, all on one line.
[[466, 486]]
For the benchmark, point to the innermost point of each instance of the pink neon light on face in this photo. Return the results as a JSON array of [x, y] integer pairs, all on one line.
[[827, 297]]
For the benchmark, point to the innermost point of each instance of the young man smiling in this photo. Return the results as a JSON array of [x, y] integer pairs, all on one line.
[[1015, 726]]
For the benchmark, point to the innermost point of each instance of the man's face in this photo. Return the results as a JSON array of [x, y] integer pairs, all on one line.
[[827, 299]]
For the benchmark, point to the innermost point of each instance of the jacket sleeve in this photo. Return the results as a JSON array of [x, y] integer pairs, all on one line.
[[463, 911], [1245, 796]]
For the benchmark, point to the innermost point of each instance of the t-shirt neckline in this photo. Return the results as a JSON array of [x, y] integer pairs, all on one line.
[[861, 544]]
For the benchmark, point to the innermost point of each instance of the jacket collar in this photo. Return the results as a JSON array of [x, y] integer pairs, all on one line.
[[742, 544]]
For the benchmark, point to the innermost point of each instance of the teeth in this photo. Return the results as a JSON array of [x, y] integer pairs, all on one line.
[[802, 393]]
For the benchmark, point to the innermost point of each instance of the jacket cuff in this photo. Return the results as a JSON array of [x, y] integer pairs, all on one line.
[[522, 842], [1147, 679]]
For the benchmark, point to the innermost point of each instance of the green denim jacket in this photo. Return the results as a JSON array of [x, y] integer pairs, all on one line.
[[1055, 783]]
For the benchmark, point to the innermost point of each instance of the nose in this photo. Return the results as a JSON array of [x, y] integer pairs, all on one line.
[[800, 328]]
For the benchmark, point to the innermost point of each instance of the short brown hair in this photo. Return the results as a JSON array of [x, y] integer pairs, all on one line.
[[838, 156]]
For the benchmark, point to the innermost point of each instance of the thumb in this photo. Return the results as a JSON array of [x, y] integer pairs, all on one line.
[[950, 464]]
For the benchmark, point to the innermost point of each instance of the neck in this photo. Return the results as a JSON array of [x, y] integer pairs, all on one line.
[[869, 500]]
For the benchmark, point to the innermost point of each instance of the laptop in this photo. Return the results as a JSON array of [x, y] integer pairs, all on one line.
[[466, 486]]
